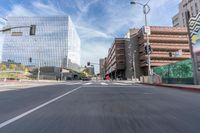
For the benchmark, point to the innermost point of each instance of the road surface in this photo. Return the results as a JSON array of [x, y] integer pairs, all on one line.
[[99, 107]]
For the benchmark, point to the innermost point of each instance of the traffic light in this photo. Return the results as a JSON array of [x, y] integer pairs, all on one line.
[[88, 63], [32, 29], [30, 59], [148, 49], [170, 54]]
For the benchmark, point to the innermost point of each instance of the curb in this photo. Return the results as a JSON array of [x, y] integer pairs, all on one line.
[[175, 87]]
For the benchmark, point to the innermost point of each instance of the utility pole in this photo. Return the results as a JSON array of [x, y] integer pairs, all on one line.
[[134, 68], [146, 10], [38, 76]]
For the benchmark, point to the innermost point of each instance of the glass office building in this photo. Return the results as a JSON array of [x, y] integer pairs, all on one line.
[[55, 43]]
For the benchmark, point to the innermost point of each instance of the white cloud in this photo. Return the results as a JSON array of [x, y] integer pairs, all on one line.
[[38, 8], [47, 9], [93, 53], [84, 24], [19, 10], [88, 33], [84, 5]]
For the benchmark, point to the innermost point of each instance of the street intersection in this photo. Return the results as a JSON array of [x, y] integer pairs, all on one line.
[[99, 107]]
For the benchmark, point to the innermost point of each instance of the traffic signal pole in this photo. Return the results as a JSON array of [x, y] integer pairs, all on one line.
[[146, 11]]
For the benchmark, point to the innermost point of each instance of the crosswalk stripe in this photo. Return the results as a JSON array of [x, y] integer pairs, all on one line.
[[87, 84], [120, 84], [72, 83], [104, 84]]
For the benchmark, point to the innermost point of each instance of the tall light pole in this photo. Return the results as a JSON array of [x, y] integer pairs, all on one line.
[[39, 61], [38, 76], [134, 68], [146, 10]]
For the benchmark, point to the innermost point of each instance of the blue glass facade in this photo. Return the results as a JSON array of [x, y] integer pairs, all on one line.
[[55, 43]]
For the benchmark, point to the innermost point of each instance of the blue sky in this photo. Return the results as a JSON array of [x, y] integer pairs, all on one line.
[[97, 21]]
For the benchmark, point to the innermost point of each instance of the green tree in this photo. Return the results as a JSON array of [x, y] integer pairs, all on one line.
[[83, 75], [22, 67], [3, 67], [12, 66]]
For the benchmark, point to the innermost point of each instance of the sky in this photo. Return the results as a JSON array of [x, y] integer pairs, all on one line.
[[97, 22]]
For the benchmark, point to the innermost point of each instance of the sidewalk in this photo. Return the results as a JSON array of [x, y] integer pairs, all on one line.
[[16, 85], [193, 88]]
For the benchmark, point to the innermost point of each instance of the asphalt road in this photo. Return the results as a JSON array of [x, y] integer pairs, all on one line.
[[97, 107]]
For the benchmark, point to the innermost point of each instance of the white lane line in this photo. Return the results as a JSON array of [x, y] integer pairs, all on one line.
[[87, 83], [120, 84], [72, 83], [104, 84], [34, 109]]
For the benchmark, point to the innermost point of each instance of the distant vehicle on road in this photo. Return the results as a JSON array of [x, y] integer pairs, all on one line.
[[107, 77], [86, 79]]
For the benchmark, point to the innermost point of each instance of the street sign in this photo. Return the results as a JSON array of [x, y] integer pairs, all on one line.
[[194, 36], [147, 30], [178, 53]]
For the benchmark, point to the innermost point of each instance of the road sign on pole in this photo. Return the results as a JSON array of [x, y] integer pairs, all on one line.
[[147, 30]]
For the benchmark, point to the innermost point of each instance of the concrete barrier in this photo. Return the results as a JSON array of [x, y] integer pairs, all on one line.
[[154, 79]]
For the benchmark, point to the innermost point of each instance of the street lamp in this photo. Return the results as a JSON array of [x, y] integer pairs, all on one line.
[[38, 60], [134, 68], [38, 75], [63, 62], [146, 10]]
